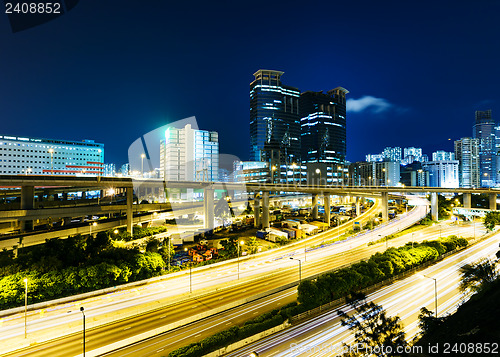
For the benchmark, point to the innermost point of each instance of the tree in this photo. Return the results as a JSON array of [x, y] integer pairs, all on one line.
[[491, 220], [252, 245], [476, 276], [375, 333]]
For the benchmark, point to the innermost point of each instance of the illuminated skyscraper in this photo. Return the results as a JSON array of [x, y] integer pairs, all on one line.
[[323, 126], [274, 119], [484, 131], [467, 153]]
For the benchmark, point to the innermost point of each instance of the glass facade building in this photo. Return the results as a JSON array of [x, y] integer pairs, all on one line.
[[323, 126], [484, 131], [274, 119]]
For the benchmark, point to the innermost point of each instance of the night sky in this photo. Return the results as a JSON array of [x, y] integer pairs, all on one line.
[[114, 70]]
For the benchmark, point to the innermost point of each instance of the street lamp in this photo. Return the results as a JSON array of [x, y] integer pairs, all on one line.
[[190, 274], [241, 242], [142, 164], [25, 307], [90, 227], [273, 169], [294, 166], [253, 354], [83, 314], [51, 151], [300, 269], [318, 172], [435, 292]]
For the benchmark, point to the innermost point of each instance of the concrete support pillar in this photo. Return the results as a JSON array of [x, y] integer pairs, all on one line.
[[315, 206], [385, 206], [493, 201], [265, 209], [467, 200], [434, 206], [130, 201], [326, 204], [84, 195], [256, 210], [27, 202], [358, 206], [65, 196], [66, 221], [208, 204]]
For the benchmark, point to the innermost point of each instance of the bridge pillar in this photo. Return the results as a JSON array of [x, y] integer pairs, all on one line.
[[467, 200], [265, 209], [385, 206], [130, 200], [434, 206], [326, 201], [27, 202], [493, 201], [256, 212], [84, 195], [208, 204], [315, 206], [358, 206]]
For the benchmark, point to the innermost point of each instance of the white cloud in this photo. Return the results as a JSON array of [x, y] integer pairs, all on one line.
[[367, 102]]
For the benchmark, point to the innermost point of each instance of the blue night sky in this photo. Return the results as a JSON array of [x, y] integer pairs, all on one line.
[[114, 70]]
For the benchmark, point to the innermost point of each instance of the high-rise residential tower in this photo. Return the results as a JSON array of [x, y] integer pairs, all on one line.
[[274, 120], [467, 153], [484, 131], [189, 154]]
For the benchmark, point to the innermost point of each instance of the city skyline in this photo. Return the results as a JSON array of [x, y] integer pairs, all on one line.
[[126, 73]]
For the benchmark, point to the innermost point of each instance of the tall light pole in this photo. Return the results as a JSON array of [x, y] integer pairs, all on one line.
[[83, 314], [51, 151], [273, 169], [25, 307], [318, 172], [435, 293], [90, 227], [294, 166], [190, 274], [142, 164], [300, 269], [241, 242]]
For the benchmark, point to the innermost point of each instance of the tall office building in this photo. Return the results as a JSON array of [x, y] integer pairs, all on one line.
[[467, 153], [484, 131], [274, 120], [189, 155], [441, 155], [32, 156], [323, 126], [374, 157]]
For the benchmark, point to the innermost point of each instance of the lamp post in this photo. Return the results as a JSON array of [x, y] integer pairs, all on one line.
[[294, 166], [190, 274], [435, 293], [25, 307], [273, 169], [300, 269], [142, 164], [83, 315], [51, 151], [90, 227], [318, 172], [241, 242]]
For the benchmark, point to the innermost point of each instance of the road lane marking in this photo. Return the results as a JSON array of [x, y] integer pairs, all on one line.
[[126, 328]]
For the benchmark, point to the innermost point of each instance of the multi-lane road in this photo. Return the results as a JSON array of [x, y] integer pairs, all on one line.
[[324, 335], [150, 307]]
